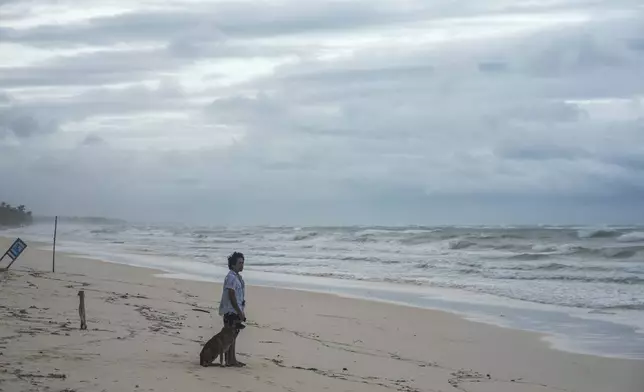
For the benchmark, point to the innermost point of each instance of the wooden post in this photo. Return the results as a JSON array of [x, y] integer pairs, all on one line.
[[81, 309], [53, 254]]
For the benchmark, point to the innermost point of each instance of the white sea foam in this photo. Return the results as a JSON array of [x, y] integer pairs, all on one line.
[[636, 236]]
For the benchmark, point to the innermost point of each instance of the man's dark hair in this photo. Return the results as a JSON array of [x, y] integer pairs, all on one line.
[[232, 259]]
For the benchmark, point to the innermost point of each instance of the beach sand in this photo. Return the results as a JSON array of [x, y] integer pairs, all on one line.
[[145, 334]]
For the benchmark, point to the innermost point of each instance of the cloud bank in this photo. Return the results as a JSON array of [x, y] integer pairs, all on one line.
[[325, 112]]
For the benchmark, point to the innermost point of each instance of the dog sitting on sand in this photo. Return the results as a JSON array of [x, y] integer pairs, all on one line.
[[218, 345]]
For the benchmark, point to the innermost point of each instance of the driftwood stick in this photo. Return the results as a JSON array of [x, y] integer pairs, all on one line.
[[81, 309]]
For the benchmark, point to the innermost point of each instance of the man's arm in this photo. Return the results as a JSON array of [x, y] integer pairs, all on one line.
[[233, 300]]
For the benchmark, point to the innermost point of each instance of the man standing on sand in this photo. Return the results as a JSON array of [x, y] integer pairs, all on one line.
[[233, 303]]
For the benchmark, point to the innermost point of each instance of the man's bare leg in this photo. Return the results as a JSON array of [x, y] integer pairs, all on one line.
[[230, 354], [231, 357]]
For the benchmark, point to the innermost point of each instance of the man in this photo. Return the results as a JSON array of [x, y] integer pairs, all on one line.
[[233, 303]]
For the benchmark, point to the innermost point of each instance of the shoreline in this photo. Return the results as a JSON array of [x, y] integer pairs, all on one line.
[[144, 334], [574, 330]]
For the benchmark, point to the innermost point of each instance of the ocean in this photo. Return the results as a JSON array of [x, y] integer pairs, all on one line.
[[582, 287]]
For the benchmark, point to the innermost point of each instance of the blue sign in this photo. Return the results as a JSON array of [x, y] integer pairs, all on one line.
[[16, 249]]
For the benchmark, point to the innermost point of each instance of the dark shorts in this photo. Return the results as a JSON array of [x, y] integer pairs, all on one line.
[[233, 320]]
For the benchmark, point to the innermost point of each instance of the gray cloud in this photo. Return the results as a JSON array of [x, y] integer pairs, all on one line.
[[544, 152], [22, 123], [93, 140], [238, 19], [90, 69], [442, 126], [381, 130], [99, 101]]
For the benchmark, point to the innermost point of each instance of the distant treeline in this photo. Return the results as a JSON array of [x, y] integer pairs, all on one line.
[[14, 216], [82, 219]]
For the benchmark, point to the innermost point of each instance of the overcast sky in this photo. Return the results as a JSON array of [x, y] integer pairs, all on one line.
[[325, 112]]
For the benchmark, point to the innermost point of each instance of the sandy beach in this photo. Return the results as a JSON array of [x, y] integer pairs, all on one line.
[[145, 333]]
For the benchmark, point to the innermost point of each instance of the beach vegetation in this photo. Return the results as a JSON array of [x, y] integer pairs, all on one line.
[[14, 216]]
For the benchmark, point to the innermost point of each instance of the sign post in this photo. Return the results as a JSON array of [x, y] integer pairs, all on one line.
[[14, 251]]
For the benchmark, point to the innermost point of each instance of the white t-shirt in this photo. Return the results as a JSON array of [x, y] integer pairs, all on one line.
[[233, 281]]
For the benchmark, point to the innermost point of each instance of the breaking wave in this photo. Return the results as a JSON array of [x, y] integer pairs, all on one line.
[[636, 236], [598, 233]]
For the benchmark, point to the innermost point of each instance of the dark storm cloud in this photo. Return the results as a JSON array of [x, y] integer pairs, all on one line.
[[363, 110], [23, 123]]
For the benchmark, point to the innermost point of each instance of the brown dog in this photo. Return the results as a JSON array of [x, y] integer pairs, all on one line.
[[217, 346]]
